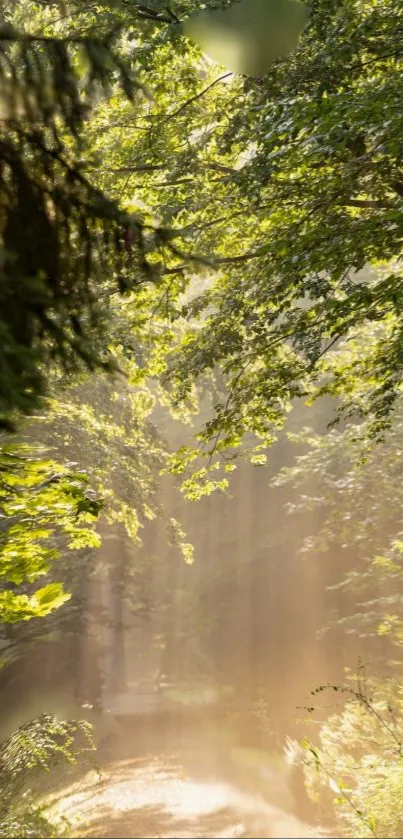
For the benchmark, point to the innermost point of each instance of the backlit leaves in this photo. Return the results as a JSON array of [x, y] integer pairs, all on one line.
[[41, 503]]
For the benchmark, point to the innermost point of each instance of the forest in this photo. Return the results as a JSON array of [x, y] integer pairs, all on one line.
[[201, 418]]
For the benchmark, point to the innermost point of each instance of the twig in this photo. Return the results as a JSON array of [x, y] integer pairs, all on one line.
[[195, 97]]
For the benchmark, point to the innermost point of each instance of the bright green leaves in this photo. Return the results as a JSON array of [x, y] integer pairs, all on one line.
[[44, 506], [285, 185], [105, 425], [21, 607], [41, 744], [177, 536], [365, 370], [315, 194], [357, 757], [249, 35]]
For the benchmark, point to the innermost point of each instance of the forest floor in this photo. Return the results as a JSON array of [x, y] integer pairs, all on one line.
[[173, 794]]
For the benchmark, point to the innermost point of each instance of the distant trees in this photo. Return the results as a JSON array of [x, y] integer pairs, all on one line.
[[194, 229]]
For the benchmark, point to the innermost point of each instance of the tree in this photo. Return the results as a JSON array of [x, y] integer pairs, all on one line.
[[287, 185], [103, 425], [354, 487], [296, 181], [354, 765], [46, 510], [39, 500], [65, 246], [34, 748]]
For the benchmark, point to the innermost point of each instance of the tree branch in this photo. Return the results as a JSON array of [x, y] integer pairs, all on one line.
[[398, 187], [368, 203], [146, 167], [219, 167], [196, 96], [242, 257], [218, 260], [146, 13]]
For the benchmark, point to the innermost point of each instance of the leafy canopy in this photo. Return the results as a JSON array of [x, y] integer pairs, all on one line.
[[288, 185], [65, 246], [40, 500], [354, 765], [32, 749], [292, 185]]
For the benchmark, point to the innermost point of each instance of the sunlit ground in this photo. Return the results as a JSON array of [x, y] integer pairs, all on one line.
[[158, 797]]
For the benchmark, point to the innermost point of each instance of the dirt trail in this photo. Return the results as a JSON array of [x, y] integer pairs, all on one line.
[[160, 796]]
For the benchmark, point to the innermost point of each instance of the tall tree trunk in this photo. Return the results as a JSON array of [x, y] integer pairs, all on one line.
[[119, 670]]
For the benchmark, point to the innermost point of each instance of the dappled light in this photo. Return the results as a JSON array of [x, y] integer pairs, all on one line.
[[159, 798], [201, 424]]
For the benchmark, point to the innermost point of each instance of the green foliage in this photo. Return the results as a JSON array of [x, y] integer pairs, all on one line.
[[355, 765], [33, 749], [241, 235], [288, 186], [64, 245], [111, 429], [40, 500], [352, 488], [105, 426], [291, 184]]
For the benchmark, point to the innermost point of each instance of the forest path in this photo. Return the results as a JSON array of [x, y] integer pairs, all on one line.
[[170, 796]]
